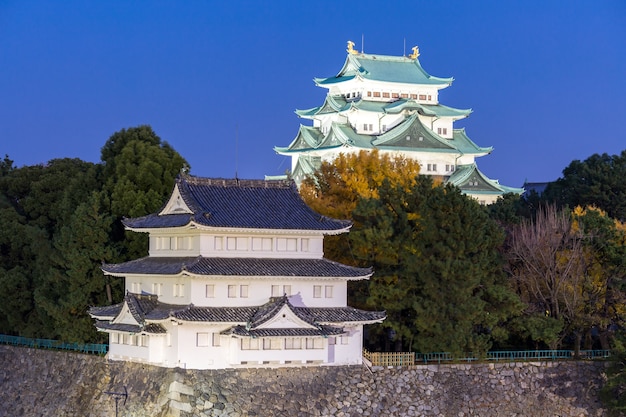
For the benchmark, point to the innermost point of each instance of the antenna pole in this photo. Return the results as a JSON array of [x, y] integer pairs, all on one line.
[[362, 43], [236, 149]]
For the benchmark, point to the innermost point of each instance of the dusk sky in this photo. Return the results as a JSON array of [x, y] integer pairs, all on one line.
[[219, 81]]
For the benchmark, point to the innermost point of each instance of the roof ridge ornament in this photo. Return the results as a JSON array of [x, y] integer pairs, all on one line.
[[351, 49], [416, 52]]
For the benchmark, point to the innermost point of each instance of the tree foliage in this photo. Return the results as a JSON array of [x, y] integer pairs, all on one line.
[[597, 181], [437, 269], [569, 270], [336, 187], [61, 220]]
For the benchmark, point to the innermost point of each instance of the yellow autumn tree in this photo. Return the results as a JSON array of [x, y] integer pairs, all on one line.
[[335, 188], [602, 287]]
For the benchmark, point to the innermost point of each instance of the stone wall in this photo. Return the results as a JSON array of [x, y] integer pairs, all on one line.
[[46, 383]]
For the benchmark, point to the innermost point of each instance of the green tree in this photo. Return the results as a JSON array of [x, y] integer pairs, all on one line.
[[597, 181], [75, 281], [138, 174], [438, 273]]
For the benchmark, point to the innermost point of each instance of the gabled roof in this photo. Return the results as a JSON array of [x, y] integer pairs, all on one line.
[[472, 181], [250, 267], [141, 307], [332, 104], [246, 204], [396, 69], [339, 135], [412, 134]]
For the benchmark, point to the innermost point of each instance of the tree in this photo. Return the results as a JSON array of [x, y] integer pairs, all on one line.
[[597, 181], [76, 282], [336, 187], [604, 284], [36, 202], [569, 268], [438, 273], [138, 174]]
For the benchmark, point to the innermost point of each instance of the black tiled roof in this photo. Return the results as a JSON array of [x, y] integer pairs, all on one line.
[[305, 332], [238, 267], [250, 204], [215, 314], [130, 328], [343, 314], [249, 318]]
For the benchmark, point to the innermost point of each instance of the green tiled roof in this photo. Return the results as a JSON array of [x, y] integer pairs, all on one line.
[[397, 69], [310, 138], [410, 135], [338, 104], [472, 181]]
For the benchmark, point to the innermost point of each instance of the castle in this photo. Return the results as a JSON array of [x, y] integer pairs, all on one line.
[[391, 103], [235, 277]]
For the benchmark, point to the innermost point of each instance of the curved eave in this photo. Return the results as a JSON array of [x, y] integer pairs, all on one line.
[[470, 147], [188, 226], [145, 224], [322, 82], [251, 230], [352, 323]]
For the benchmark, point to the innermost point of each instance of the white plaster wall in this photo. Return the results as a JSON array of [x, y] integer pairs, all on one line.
[[350, 353], [274, 356]]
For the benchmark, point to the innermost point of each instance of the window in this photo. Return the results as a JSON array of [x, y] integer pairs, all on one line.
[[429, 167], [344, 339], [243, 291], [232, 291], [316, 343], [434, 167], [328, 291], [429, 97], [384, 128], [179, 290], [293, 343], [287, 290], [143, 341], [304, 245], [272, 344], [202, 339], [317, 291], [287, 245], [442, 130], [216, 339], [422, 96], [404, 95], [414, 96], [385, 95], [157, 288], [136, 287], [249, 343], [276, 291], [210, 291], [369, 93], [115, 337], [395, 95], [376, 93], [219, 243]]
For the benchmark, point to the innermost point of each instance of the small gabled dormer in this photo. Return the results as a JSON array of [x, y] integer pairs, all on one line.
[[176, 204]]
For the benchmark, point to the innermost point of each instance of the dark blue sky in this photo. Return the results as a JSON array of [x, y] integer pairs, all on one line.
[[220, 80]]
